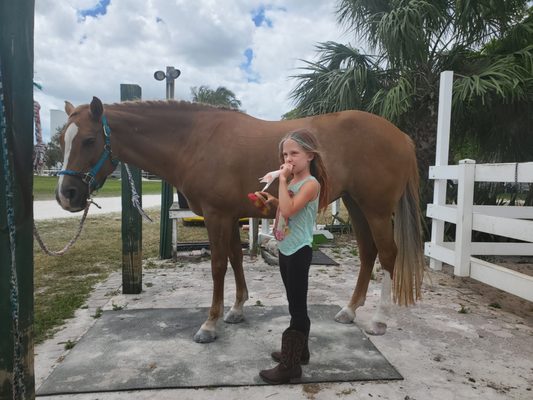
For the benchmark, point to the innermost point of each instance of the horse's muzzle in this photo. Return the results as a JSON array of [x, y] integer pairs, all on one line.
[[72, 194]]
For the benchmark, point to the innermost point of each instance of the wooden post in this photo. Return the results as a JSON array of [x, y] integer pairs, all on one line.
[[465, 208], [441, 157], [16, 213], [131, 219]]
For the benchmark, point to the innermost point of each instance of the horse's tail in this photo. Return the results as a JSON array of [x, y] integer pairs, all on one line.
[[410, 265]]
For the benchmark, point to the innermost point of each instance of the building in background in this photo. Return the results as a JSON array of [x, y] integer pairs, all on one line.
[[58, 118]]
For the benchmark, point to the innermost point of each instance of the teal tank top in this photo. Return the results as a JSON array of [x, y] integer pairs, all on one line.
[[298, 231]]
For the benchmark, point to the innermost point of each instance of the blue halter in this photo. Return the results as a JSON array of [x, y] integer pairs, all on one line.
[[90, 177]]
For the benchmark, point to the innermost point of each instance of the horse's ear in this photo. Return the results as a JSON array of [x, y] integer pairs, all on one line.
[[68, 107], [97, 109]]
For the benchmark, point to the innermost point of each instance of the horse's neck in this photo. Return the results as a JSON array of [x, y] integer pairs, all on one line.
[[148, 139]]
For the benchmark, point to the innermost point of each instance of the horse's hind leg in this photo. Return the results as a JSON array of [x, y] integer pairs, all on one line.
[[236, 314], [381, 227], [367, 256]]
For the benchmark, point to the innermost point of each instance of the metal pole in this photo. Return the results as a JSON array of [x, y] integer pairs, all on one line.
[[16, 205], [167, 192]]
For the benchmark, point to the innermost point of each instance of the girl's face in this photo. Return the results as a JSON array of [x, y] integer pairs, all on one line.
[[295, 155]]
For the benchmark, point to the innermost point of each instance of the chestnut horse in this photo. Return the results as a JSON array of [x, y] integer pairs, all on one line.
[[214, 157]]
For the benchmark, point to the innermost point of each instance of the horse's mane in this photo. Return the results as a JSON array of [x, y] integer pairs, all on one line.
[[178, 104]]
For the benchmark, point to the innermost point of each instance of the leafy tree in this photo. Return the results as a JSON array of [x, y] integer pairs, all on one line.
[[487, 43], [54, 154], [221, 97]]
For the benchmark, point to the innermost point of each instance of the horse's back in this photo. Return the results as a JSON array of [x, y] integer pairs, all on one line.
[[367, 156]]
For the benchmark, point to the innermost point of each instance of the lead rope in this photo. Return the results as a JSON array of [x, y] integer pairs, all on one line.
[[71, 242], [18, 388]]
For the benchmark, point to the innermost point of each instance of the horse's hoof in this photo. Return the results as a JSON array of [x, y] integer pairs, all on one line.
[[378, 329], [204, 336], [345, 316], [233, 317]]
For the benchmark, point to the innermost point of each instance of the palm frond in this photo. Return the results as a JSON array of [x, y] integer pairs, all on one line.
[[342, 79], [394, 102], [507, 77]]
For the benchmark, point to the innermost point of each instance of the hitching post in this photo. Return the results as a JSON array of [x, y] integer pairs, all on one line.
[[167, 192], [131, 219], [16, 212]]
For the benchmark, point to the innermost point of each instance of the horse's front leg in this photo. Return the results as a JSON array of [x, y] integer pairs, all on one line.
[[219, 229], [236, 314]]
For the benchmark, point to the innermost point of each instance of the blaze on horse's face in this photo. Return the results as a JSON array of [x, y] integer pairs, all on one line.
[[82, 142]]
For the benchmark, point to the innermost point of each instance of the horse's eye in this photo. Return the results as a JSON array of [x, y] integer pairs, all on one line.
[[89, 142]]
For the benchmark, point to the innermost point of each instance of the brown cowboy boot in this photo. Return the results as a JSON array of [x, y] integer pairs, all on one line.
[[304, 358], [292, 344]]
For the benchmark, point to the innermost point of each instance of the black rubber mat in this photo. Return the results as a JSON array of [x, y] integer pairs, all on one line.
[[154, 348]]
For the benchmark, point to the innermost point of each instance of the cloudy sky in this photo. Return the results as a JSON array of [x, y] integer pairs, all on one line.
[[86, 48]]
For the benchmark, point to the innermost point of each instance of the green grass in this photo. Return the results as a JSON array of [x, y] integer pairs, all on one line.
[[44, 188]]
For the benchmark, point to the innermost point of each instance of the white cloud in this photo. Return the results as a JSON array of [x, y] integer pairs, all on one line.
[[77, 58]]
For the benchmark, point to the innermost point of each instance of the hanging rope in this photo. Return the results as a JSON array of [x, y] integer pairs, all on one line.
[[18, 388], [39, 148], [67, 247], [135, 199]]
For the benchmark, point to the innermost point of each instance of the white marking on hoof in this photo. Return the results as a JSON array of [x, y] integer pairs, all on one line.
[[234, 316], [204, 336], [378, 329], [345, 316]]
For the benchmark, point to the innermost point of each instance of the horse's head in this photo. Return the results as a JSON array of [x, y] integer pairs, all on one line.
[[87, 159]]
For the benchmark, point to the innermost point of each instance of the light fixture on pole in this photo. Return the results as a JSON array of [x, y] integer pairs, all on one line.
[[171, 75]]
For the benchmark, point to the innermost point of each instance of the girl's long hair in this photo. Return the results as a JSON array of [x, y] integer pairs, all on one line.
[[308, 142]]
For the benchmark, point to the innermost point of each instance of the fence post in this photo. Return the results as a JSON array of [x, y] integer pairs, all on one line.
[[16, 204], [465, 208], [131, 219], [441, 157]]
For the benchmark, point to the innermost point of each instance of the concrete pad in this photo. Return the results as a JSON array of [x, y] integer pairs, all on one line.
[[153, 348]]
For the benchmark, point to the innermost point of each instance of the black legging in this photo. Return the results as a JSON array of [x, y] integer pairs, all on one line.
[[294, 271]]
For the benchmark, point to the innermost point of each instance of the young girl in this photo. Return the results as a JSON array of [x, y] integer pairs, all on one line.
[[303, 190]]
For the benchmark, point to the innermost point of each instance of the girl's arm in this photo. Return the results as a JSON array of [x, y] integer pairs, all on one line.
[[290, 206]]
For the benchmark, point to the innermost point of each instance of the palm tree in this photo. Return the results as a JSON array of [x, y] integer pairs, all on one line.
[[487, 43], [221, 97]]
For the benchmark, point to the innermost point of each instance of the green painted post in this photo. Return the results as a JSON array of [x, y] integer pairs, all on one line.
[[131, 219], [165, 241], [16, 126]]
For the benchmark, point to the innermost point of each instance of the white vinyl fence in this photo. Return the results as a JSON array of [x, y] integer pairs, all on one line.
[[510, 221], [514, 222]]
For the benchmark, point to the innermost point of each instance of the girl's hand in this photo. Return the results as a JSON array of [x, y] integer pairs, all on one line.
[[286, 171], [267, 198]]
